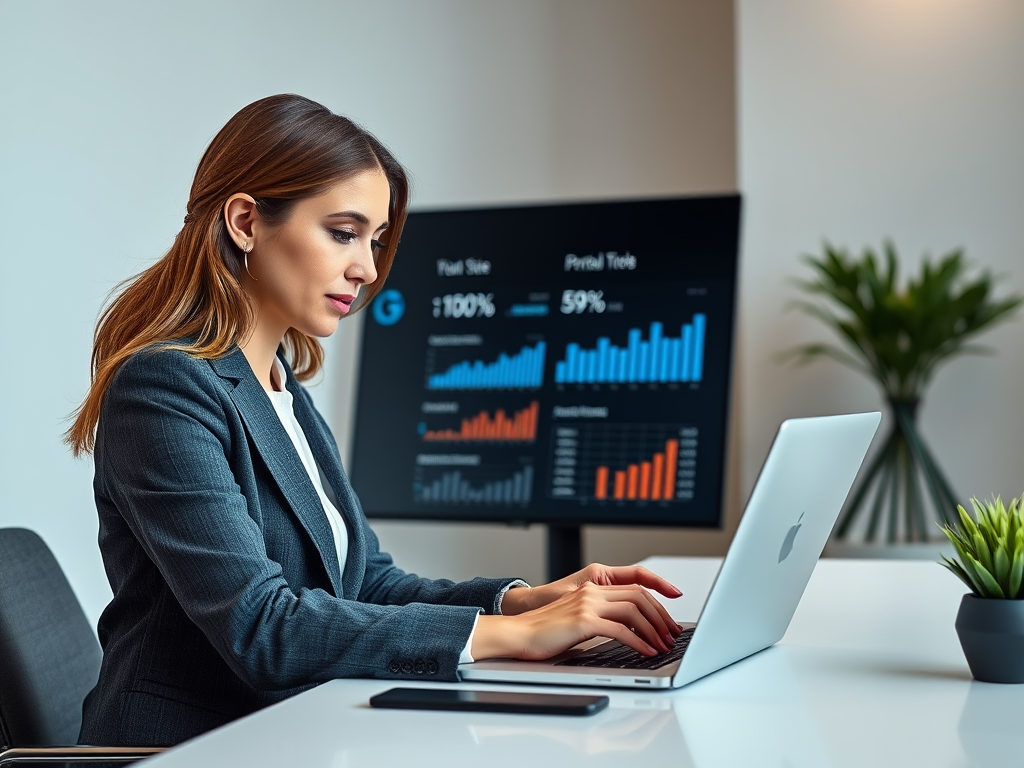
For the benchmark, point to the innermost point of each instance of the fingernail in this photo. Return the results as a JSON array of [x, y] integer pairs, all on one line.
[[669, 639]]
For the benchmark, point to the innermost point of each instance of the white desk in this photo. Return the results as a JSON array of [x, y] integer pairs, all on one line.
[[869, 674]]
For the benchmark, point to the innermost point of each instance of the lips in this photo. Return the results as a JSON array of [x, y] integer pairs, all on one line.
[[341, 302]]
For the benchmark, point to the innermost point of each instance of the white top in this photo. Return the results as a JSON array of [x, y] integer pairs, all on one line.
[[281, 399]]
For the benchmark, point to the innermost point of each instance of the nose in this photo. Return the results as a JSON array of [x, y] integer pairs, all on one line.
[[364, 268]]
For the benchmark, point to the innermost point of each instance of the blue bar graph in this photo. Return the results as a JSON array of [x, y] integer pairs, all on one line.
[[660, 359], [522, 370], [453, 488]]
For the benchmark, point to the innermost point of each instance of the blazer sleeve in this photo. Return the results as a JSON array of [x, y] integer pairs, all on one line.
[[387, 584], [163, 450]]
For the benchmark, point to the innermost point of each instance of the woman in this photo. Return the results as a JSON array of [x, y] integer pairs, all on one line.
[[242, 566]]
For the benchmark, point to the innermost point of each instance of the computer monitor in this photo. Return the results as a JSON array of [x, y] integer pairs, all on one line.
[[562, 364]]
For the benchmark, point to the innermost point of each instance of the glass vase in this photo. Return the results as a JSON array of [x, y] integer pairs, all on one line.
[[898, 487]]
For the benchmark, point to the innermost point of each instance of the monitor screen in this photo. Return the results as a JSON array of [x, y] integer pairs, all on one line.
[[565, 363]]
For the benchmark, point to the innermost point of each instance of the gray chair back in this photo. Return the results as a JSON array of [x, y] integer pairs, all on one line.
[[49, 656]]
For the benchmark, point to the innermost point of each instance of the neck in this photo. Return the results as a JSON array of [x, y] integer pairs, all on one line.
[[260, 349]]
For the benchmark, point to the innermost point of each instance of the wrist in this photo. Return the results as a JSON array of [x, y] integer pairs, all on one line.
[[496, 637], [516, 600]]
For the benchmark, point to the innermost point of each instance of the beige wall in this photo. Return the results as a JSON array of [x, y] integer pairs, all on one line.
[[858, 119], [107, 106], [867, 119]]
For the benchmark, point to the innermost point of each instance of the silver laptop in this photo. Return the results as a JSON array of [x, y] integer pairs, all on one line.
[[798, 496]]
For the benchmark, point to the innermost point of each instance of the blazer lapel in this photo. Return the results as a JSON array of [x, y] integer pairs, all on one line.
[[326, 454], [277, 451]]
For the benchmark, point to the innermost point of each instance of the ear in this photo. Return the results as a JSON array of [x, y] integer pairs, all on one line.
[[239, 216]]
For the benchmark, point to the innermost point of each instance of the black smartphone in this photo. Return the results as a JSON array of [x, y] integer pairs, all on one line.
[[489, 701]]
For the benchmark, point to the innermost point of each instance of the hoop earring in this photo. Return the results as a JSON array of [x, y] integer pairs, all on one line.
[[246, 250]]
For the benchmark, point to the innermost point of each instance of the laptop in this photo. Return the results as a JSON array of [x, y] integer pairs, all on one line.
[[794, 505]]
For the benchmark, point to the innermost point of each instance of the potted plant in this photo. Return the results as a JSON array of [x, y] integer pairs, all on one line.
[[898, 335], [990, 561]]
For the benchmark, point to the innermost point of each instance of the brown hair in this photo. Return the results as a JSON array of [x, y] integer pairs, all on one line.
[[279, 150]]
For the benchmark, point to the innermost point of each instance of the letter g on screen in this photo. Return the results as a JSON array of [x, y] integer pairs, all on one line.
[[388, 307]]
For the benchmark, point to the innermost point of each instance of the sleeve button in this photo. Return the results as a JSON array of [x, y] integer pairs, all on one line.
[[419, 667], [407, 666], [431, 667], [394, 667]]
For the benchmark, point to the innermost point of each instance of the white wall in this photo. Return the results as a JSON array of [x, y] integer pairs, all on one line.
[[859, 119], [105, 108], [866, 119]]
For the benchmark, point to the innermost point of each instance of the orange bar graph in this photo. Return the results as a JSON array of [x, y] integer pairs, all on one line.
[[520, 427], [645, 480], [671, 460], [659, 474], [654, 480], [620, 485], [601, 489]]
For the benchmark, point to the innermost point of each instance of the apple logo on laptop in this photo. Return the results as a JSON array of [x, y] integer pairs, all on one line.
[[787, 543]]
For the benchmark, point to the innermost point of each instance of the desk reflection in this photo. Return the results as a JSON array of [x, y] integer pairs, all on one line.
[[750, 714], [989, 726], [475, 739], [753, 713]]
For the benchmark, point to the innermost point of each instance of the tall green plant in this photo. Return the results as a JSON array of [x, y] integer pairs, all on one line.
[[990, 549], [898, 335]]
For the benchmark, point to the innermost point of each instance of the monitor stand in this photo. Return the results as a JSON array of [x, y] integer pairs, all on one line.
[[565, 550]]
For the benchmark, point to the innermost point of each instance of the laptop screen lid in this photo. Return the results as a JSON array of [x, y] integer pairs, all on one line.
[[796, 500]]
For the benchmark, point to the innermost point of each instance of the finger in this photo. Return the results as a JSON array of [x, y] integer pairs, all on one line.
[[632, 617], [617, 631], [672, 630], [666, 625], [673, 627], [661, 622], [637, 574]]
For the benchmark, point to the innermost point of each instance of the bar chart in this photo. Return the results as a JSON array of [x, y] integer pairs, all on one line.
[[653, 479], [456, 487], [521, 427], [624, 462], [523, 370], [659, 359]]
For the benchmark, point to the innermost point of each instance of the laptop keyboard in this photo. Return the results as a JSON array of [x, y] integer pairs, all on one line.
[[618, 656]]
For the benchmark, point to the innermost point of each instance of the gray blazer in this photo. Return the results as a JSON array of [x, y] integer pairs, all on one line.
[[227, 595]]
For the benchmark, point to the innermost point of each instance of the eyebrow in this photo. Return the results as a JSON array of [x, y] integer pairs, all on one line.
[[360, 217]]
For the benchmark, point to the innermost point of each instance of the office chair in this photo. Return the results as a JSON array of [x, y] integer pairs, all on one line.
[[49, 660]]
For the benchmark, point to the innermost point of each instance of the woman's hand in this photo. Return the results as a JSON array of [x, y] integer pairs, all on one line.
[[521, 599], [597, 601]]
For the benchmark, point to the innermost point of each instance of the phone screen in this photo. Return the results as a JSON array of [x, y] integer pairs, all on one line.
[[489, 701]]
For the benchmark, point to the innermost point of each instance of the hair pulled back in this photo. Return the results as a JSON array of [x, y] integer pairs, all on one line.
[[279, 150]]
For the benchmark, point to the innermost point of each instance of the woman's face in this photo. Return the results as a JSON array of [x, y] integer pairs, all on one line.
[[309, 269]]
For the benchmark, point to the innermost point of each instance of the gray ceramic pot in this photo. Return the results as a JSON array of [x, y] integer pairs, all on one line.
[[992, 636]]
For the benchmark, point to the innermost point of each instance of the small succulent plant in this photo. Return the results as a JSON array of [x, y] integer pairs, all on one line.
[[990, 549]]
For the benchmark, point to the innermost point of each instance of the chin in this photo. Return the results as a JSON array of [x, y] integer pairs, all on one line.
[[323, 328]]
